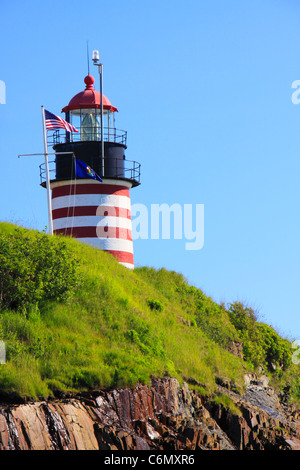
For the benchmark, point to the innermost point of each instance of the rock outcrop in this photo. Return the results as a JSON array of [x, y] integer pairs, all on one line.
[[163, 416]]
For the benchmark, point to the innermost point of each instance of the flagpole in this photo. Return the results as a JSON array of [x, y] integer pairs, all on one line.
[[47, 174]]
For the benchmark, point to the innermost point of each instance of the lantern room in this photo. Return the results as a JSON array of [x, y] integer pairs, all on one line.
[[102, 149], [83, 112]]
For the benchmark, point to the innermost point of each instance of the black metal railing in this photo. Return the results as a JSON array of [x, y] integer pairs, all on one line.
[[113, 168], [133, 172], [52, 171], [84, 134]]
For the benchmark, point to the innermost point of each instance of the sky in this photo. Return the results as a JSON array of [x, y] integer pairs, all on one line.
[[204, 90]]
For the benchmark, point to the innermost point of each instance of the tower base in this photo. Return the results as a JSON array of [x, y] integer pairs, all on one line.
[[98, 214]]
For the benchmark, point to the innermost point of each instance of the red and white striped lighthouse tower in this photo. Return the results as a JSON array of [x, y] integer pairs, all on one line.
[[97, 213]]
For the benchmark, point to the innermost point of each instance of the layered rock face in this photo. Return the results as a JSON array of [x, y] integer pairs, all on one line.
[[163, 416]]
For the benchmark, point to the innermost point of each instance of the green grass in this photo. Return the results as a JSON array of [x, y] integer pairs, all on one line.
[[226, 402], [110, 327]]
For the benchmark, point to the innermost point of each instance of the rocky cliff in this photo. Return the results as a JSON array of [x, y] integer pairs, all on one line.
[[163, 416]]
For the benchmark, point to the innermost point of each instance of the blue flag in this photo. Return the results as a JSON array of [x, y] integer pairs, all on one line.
[[82, 170]]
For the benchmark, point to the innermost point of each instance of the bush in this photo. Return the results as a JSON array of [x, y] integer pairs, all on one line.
[[155, 305], [245, 321], [277, 350], [34, 268], [261, 344]]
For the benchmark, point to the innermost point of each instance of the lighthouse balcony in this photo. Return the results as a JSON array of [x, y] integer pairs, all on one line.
[[86, 146], [85, 134], [62, 168]]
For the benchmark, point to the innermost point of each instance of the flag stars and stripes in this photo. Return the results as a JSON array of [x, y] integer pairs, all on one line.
[[56, 122]]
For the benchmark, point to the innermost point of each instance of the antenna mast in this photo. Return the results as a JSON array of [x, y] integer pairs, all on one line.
[[87, 56]]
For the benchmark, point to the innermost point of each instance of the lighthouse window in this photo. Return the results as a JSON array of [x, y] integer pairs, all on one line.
[[89, 125], [75, 121]]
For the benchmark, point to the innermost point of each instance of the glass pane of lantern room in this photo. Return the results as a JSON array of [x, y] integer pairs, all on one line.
[[89, 125], [106, 124], [109, 126], [98, 117], [75, 121]]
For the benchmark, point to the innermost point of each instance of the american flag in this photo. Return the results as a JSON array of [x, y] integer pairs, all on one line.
[[56, 122]]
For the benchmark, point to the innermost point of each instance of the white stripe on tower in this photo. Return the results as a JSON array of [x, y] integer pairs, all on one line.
[[90, 200], [95, 213]]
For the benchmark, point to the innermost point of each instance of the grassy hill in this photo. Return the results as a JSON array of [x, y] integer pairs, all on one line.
[[73, 319]]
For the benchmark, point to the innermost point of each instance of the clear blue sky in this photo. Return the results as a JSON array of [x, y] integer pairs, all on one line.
[[204, 90]]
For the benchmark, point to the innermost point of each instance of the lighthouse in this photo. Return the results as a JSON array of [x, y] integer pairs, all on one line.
[[94, 212]]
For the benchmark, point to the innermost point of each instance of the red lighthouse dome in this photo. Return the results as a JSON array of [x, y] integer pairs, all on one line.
[[89, 98]]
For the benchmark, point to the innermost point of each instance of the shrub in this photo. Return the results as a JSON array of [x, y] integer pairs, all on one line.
[[261, 344], [277, 350], [245, 321], [155, 305], [34, 268]]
